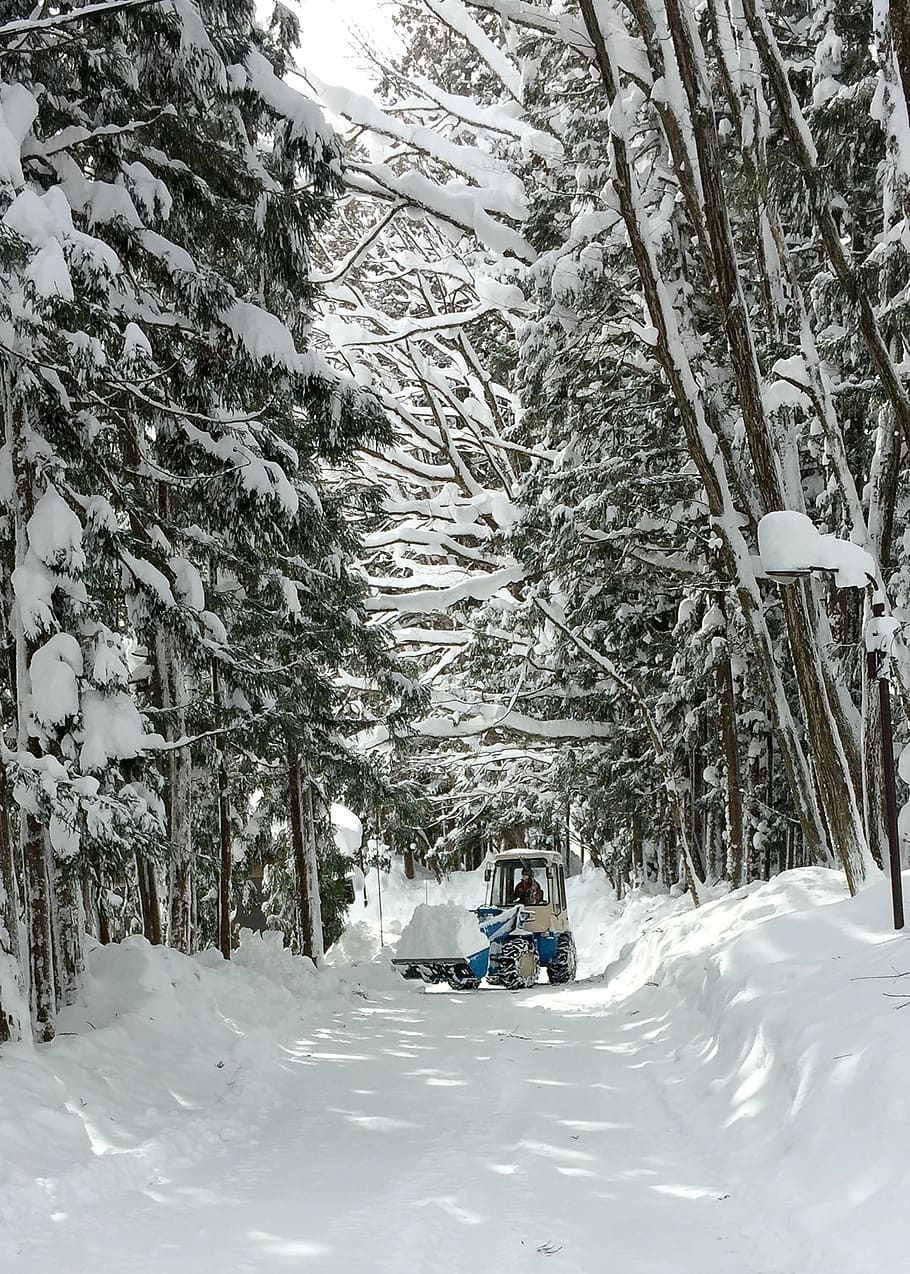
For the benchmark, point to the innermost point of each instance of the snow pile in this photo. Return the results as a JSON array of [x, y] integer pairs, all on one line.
[[161, 1049], [777, 1012], [446, 930]]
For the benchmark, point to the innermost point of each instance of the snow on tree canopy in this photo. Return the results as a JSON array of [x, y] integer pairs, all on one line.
[[347, 830], [789, 542], [306, 119], [18, 110], [49, 274], [55, 532], [112, 730], [53, 673], [263, 335], [446, 930]]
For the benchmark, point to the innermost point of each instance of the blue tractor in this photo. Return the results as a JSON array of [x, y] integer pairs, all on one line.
[[524, 927]]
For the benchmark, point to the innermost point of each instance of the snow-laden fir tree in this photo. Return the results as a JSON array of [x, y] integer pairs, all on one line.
[[164, 428]]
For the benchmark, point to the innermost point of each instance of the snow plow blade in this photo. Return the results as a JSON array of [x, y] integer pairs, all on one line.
[[436, 969]]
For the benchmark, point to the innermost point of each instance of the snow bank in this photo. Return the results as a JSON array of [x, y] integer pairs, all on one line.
[[446, 930], [778, 1008], [164, 1051]]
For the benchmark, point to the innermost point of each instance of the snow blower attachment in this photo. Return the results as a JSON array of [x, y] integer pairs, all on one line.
[[523, 927]]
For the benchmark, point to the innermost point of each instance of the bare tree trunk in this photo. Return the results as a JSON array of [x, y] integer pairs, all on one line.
[[178, 793], [317, 940], [697, 820], [224, 830], [227, 862], [13, 1010], [150, 907], [733, 776], [40, 928], [69, 927], [303, 843], [33, 835], [638, 852]]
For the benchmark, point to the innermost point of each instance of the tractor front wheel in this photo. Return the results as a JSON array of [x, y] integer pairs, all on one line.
[[518, 966], [564, 963], [464, 984]]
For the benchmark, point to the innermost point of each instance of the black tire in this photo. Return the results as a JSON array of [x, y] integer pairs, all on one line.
[[518, 965], [464, 984], [565, 962]]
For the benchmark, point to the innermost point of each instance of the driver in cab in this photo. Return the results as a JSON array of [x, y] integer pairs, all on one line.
[[527, 891]]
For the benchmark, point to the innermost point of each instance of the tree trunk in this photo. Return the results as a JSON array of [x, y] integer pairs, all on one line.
[[40, 928], [309, 919], [150, 907], [178, 795], [733, 776], [69, 927], [13, 1009], [638, 851], [227, 862], [316, 936], [696, 796], [33, 835], [224, 830]]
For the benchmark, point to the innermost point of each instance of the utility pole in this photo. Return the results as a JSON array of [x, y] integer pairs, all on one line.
[[877, 660]]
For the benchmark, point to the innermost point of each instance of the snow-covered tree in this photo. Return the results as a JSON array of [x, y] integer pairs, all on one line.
[[166, 432]]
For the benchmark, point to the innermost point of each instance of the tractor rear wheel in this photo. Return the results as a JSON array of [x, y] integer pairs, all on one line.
[[564, 963], [518, 966]]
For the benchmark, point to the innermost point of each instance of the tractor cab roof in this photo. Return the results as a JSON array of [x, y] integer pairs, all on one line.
[[516, 855]]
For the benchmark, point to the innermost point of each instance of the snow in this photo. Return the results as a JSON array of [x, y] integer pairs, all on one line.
[[18, 110], [455, 15], [790, 542], [55, 532], [263, 334], [729, 1088], [54, 671], [49, 274], [471, 161], [347, 829], [135, 343], [112, 729], [479, 587], [443, 930], [188, 583], [306, 119], [40, 218]]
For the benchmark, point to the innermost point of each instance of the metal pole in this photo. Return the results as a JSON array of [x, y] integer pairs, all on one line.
[[877, 665], [379, 895]]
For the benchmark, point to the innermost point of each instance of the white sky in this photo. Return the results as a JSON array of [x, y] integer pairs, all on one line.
[[326, 43]]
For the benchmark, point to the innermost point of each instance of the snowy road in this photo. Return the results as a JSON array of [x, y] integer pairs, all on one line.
[[440, 1134]]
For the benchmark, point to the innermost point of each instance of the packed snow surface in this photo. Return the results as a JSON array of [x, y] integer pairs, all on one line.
[[446, 930], [727, 1095]]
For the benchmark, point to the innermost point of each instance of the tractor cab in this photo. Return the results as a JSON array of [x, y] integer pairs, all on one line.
[[533, 881]]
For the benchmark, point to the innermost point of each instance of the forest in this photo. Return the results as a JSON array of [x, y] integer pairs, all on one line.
[[407, 453]]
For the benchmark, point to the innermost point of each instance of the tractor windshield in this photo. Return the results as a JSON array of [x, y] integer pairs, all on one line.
[[521, 880]]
